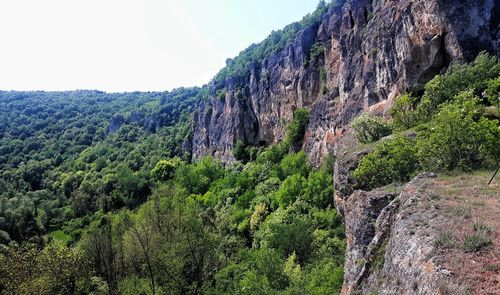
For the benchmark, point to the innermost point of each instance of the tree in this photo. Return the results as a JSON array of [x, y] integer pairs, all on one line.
[[165, 169], [296, 129], [403, 112], [460, 137]]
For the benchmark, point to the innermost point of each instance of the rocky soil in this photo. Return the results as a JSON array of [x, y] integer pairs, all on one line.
[[394, 239]]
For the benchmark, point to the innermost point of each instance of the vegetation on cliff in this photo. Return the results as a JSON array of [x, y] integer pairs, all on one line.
[[454, 128], [240, 65]]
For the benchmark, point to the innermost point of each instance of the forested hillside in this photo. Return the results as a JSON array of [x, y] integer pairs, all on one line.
[[213, 190], [64, 155]]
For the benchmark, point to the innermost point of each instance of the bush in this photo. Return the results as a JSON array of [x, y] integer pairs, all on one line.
[[317, 50], [458, 78], [165, 169], [392, 160], [445, 240], [370, 129], [402, 112], [460, 137], [297, 128], [493, 91], [290, 190], [295, 163]]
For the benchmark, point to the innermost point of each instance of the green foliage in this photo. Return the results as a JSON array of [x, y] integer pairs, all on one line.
[[297, 128], [392, 160], [402, 112], [445, 240], [60, 237], [317, 50], [245, 153], [295, 164], [458, 78], [165, 169], [69, 154], [460, 137], [457, 133], [290, 190], [369, 129], [325, 278], [476, 242], [221, 95], [322, 74], [256, 53], [28, 270], [198, 177], [493, 91]]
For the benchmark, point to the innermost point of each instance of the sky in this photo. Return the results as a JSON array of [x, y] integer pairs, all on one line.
[[130, 45]]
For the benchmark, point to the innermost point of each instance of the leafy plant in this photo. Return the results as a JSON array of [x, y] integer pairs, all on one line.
[[296, 129], [369, 129], [403, 113], [392, 160]]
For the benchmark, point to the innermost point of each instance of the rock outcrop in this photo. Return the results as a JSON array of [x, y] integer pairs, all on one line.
[[374, 51], [391, 242]]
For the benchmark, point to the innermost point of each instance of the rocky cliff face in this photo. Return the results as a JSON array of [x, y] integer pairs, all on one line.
[[374, 51], [391, 242]]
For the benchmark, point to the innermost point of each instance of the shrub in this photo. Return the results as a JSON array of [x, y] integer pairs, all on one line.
[[325, 278], [297, 128], [241, 152], [460, 137], [165, 169], [370, 129], [402, 112], [295, 163], [322, 74], [493, 91], [221, 95], [319, 190], [481, 227], [317, 50], [290, 190], [458, 78], [392, 160]]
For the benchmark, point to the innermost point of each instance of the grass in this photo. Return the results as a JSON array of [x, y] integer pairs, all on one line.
[[481, 227], [476, 242], [379, 257], [60, 237], [445, 240], [492, 267], [459, 211], [479, 240]]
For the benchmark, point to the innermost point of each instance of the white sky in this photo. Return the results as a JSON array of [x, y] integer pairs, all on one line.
[[126, 45]]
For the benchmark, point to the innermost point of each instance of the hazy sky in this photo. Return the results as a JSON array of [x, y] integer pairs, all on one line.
[[125, 45]]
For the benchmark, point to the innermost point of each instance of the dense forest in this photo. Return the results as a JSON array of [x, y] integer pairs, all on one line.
[[98, 196], [99, 193], [64, 155]]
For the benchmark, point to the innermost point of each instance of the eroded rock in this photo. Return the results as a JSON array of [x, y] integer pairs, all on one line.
[[374, 51]]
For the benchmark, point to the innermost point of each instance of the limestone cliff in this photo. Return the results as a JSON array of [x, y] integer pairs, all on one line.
[[373, 51]]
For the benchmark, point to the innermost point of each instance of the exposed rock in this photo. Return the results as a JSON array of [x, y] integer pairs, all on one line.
[[374, 51], [343, 182], [391, 244]]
